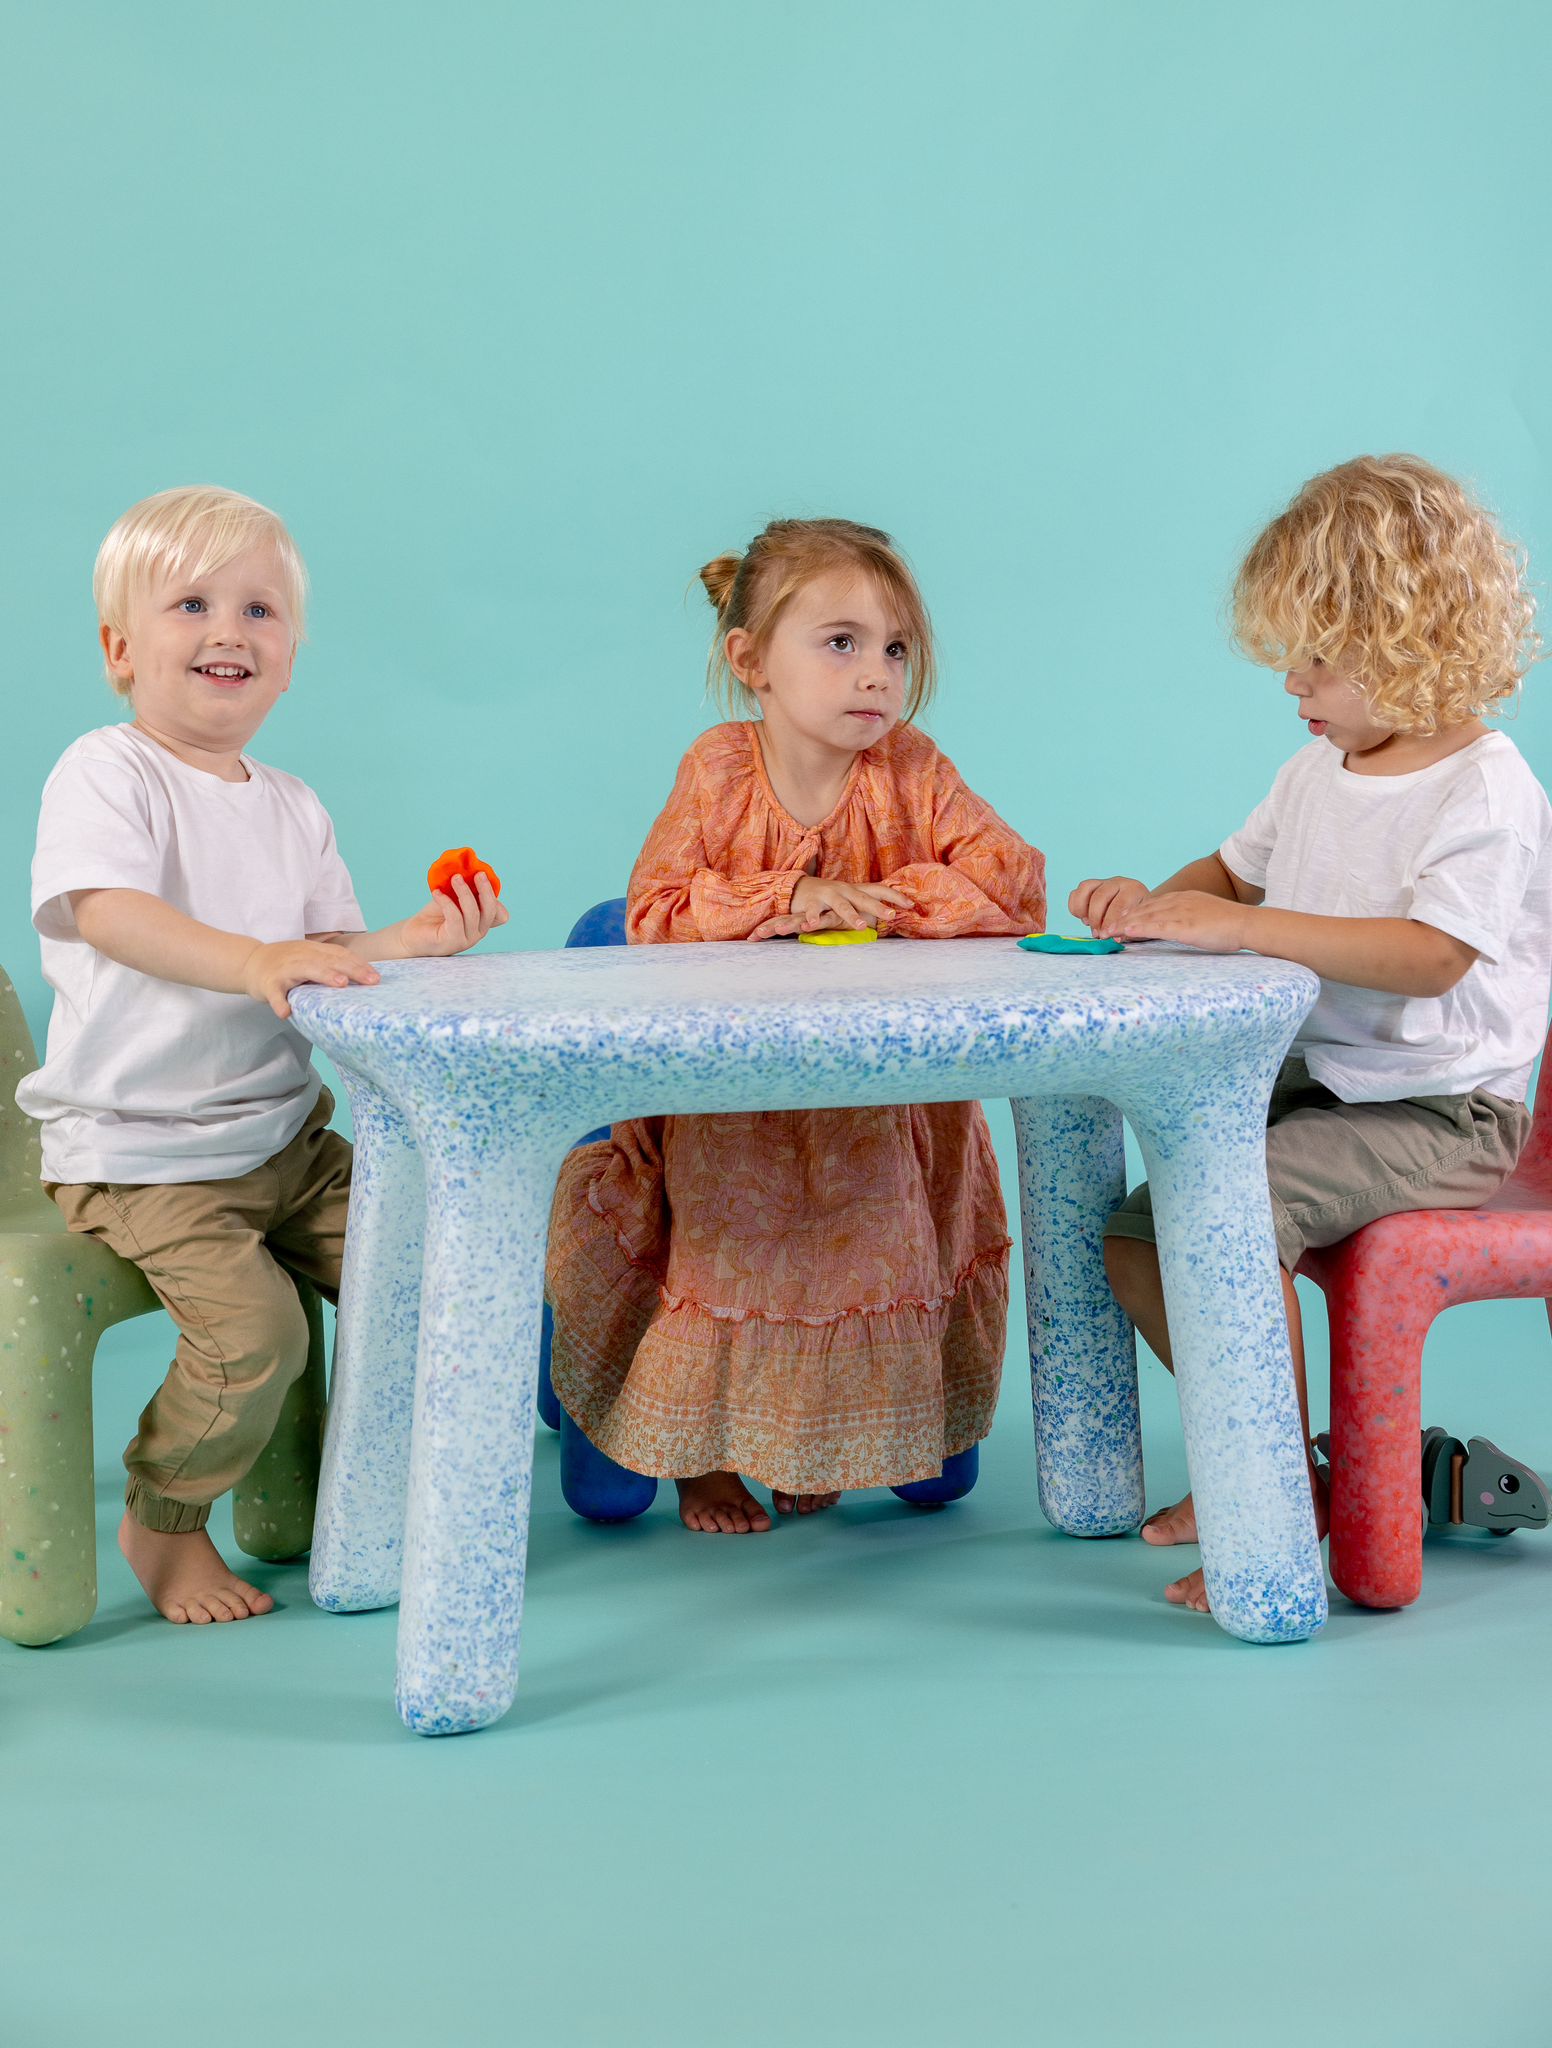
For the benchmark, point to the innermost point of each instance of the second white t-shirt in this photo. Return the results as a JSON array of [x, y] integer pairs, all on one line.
[[1464, 845], [146, 1081]]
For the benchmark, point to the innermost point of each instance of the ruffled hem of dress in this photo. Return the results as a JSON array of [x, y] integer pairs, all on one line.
[[859, 1401]]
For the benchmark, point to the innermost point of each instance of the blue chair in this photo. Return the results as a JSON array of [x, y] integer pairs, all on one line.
[[593, 1485]]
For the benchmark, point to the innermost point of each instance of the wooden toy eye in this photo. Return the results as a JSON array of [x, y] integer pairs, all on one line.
[[1507, 1483]]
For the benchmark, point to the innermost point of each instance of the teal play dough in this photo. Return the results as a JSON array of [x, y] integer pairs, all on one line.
[[1052, 942]]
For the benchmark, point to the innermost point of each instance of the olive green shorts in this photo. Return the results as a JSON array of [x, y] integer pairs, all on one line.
[[1334, 1166]]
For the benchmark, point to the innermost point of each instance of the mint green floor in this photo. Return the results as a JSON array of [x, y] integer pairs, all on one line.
[[876, 1778]]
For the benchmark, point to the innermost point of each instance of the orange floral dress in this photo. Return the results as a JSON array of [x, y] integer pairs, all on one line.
[[814, 1298]]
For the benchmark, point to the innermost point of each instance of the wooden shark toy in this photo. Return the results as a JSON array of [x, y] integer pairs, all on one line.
[[1475, 1485]]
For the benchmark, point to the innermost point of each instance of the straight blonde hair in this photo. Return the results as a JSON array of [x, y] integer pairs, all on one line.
[[190, 531]]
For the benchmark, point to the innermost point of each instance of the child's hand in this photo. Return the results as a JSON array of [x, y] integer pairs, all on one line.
[[823, 906], [1190, 917], [1101, 905], [456, 918], [271, 971]]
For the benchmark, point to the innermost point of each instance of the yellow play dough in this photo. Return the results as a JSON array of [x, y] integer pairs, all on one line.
[[836, 938]]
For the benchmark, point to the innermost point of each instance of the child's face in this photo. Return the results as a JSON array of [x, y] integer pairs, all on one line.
[[1333, 704], [833, 670], [206, 658]]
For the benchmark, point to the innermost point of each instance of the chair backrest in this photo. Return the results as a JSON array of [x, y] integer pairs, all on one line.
[[1535, 1165], [603, 925], [20, 1163]]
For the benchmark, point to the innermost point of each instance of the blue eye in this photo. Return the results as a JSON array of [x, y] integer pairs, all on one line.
[[258, 611], [191, 604]]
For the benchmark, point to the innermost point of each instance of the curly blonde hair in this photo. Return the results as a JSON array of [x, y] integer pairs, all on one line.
[[750, 591], [1391, 569]]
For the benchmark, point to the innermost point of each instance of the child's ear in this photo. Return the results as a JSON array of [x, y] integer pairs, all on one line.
[[115, 651], [741, 661]]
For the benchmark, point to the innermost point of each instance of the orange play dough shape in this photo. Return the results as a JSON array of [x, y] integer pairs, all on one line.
[[460, 860]]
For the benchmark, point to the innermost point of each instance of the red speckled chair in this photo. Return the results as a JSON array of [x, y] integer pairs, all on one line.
[[1383, 1286]]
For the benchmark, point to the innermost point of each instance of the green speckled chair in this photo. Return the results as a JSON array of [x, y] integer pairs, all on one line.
[[58, 1293]]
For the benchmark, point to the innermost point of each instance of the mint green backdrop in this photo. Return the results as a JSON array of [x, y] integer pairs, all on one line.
[[518, 313]]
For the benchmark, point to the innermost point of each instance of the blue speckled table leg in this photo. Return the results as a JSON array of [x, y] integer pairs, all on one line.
[[358, 1539], [1205, 1149], [489, 1185], [1082, 1354]]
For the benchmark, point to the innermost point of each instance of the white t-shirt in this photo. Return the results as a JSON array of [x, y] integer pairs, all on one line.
[[1464, 845], [146, 1081]]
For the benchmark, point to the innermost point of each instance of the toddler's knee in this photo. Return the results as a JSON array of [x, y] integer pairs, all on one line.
[[1127, 1263], [270, 1336]]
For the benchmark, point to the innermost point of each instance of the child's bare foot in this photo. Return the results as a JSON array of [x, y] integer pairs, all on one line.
[[185, 1577], [1172, 1525], [802, 1503], [1191, 1591], [719, 1504]]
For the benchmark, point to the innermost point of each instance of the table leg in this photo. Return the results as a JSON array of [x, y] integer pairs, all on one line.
[[489, 1185], [1082, 1353], [1206, 1156], [358, 1538]]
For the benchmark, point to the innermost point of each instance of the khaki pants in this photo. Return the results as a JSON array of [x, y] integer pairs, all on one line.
[[220, 1254], [1334, 1166]]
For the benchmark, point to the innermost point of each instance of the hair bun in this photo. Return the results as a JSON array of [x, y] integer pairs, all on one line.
[[719, 577]]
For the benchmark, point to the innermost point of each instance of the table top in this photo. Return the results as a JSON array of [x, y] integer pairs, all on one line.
[[902, 1020]]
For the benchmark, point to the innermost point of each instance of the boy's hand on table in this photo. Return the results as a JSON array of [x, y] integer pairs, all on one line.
[[1101, 904], [454, 920], [272, 970], [1189, 917]]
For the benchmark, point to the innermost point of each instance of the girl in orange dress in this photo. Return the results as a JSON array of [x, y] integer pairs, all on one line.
[[815, 1299]]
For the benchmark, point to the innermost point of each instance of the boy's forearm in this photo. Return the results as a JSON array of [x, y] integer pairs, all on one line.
[[141, 931], [1397, 955], [1212, 878], [387, 944]]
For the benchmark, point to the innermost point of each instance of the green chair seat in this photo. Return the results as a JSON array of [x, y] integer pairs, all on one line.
[[58, 1292]]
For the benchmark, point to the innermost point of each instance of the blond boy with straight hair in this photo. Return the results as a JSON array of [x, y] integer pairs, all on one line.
[[181, 890]]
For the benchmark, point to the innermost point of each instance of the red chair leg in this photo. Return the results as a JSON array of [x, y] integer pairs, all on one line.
[[1377, 1338]]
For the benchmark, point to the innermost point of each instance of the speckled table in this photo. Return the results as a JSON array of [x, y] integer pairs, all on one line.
[[470, 1078]]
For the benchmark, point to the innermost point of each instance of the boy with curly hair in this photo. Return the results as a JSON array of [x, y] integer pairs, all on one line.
[[1405, 855]]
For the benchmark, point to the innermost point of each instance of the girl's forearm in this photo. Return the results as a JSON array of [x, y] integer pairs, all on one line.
[[141, 931]]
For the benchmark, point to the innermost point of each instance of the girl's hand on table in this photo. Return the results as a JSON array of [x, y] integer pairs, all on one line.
[[1189, 917], [820, 905], [1102, 904], [454, 920]]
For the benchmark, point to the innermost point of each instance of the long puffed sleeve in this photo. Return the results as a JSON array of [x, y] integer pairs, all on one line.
[[676, 894], [986, 880]]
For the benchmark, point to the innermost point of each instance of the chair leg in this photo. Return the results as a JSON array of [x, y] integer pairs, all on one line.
[[274, 1504], [959, 1474], [549, 1400], [594, 1486], [48, 1506], [1376, 1432]]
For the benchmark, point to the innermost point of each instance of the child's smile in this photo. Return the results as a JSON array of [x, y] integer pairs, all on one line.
[[206, 657]]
